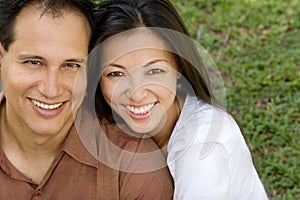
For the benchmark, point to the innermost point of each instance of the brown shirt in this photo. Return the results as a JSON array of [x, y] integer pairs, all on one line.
[[76, 175]]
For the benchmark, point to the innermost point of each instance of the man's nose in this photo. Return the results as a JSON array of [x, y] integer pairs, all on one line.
[[50, 85]]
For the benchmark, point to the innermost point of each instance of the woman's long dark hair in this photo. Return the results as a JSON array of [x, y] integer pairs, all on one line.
[[117, 16]]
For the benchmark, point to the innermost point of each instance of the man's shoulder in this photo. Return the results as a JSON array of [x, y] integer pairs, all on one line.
[[134, 154]]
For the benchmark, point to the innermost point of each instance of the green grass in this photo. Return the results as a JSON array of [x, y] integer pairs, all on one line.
[[256, 46]]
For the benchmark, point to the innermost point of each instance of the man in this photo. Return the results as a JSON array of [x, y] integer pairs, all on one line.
[[43, 50]]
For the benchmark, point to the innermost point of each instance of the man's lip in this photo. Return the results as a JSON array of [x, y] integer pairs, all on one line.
[[46, 106], [47, 110]]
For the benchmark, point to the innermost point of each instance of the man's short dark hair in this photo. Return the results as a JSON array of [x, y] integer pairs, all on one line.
[[10, 9]]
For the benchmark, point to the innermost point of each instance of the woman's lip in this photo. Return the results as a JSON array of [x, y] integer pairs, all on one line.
[[140, 117], [140, 112]]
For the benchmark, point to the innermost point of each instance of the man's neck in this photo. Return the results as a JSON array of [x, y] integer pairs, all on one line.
[[26, 140], [31, 153]]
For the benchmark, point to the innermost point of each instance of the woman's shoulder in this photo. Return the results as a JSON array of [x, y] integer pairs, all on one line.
[[201, 123], [208, 149]]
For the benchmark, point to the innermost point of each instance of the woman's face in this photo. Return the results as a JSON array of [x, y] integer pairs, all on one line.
[[140, 85]]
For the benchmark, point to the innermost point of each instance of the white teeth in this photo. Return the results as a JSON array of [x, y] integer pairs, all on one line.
[[46, 106], [140, 110]]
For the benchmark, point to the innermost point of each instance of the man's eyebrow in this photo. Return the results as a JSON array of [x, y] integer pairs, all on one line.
[[31, 56], [76, 60]]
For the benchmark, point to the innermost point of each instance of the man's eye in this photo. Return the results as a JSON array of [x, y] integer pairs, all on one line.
[[33, 62], [155, 71], [73, 65], [115, 74]]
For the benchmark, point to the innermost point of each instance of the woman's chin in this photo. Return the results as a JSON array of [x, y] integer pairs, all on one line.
[[138, 128], [139, 125]]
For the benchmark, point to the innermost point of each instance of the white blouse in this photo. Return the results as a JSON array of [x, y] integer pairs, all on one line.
[[208, 156]]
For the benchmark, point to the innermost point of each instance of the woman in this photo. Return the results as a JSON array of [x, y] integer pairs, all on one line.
[[153, 83]]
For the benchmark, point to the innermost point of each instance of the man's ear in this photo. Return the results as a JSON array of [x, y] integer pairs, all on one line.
[[1, 56], [1, 51]]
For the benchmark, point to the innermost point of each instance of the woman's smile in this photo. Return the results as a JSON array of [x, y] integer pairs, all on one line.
[[140, 112]]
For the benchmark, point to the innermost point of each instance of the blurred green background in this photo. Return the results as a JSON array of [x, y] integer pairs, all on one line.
[[256, 46]]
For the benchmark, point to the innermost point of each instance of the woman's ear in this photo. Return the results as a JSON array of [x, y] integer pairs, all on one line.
[[179, 75]]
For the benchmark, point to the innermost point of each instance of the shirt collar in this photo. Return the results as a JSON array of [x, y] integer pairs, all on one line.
[[74, 146]]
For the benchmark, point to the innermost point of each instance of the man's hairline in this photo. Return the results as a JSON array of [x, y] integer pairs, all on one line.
[[45, 12]]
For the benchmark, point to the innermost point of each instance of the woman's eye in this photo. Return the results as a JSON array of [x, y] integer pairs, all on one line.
[[115, 74], [154, 71]]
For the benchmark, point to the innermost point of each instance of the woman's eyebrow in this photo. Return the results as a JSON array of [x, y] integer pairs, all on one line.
[[155, 61], [116, 65], [146, 65]]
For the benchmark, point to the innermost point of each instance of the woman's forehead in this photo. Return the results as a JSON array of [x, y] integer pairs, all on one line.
[[131, 41]]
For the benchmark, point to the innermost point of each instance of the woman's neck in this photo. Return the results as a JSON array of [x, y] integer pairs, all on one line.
[[163, 136]]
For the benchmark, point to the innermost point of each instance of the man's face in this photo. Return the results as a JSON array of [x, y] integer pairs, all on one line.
[[40, 67]]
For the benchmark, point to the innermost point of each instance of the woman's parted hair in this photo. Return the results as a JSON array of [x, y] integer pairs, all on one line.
[[117, 16]]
